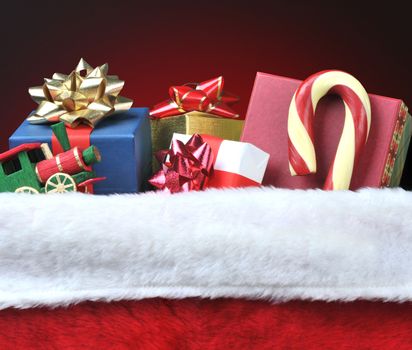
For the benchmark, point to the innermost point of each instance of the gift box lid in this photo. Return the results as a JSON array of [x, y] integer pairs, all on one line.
[[266, 127]]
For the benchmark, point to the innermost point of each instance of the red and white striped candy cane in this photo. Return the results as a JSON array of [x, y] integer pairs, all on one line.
[[302, 157]]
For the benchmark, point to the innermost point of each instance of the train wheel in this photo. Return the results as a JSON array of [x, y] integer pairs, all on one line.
[[60, 183], [26, 189]]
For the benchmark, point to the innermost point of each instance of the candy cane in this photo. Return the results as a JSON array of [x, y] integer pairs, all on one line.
[[302, 157]]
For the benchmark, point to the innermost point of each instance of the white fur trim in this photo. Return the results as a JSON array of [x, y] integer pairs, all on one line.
[[251, 243]]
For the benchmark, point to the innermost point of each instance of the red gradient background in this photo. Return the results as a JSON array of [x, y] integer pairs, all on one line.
[[154, 45]]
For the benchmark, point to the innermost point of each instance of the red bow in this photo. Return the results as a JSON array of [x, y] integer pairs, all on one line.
[[204, 97], [185, 167]]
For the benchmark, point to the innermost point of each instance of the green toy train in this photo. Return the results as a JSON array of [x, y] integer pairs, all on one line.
[[32, 168]]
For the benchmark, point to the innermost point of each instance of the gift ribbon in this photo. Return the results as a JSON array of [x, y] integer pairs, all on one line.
[[207, 97], [85, 96], [79, 137]]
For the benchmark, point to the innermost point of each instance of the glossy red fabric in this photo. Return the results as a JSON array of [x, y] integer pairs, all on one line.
[[210, 324]]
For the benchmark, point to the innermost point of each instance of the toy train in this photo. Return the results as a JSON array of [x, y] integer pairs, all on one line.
[[32, 168]]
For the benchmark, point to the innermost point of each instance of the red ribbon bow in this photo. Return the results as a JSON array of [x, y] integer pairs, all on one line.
[[207, 96], [185, 167]]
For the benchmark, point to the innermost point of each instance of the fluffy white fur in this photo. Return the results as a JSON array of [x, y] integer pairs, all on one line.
[[253, 243]]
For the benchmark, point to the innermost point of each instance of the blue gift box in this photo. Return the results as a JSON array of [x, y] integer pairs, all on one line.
[[124, 142]]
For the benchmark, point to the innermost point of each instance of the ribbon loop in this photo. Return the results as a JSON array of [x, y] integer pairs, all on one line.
[[85, 96], [207, 96]]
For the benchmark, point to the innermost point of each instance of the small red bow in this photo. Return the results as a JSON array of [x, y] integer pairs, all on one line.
[[207, 96], [185, 167]]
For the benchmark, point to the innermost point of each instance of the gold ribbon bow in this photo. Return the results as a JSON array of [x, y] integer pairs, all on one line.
[[87, 95]]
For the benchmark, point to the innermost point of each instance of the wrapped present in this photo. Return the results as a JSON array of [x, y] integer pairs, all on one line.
[[359, 143], [195, 108], [88, 102], [196, 162]]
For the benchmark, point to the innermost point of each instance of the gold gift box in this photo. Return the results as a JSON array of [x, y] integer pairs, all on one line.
[[192, 123]]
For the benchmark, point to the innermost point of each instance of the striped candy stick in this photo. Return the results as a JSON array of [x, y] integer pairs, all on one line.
[[302, 157]]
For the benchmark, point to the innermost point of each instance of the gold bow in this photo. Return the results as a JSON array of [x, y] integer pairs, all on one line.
[[78, 98]]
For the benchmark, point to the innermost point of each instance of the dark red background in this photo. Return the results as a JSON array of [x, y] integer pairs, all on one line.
[[153, 45]]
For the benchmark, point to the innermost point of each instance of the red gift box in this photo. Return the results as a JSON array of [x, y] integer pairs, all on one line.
[[266, 127], [195, 162], [235, 164]]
